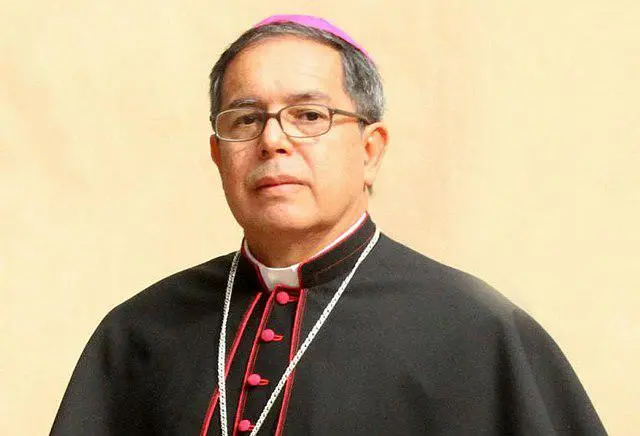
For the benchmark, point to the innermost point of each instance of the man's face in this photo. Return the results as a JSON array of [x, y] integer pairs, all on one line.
[[274, 182]]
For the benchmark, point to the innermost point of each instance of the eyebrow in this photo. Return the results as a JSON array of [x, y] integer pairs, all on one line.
[[242, 102], [298, 97]]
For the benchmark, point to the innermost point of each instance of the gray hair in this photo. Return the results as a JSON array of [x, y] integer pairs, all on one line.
[[361, 80]]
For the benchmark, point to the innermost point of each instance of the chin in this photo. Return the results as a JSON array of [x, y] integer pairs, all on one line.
[[283, 219]]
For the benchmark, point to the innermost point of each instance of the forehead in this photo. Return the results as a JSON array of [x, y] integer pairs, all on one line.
[[277, 69]]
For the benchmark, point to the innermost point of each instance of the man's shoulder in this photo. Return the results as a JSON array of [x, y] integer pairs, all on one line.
[[438, 286], [201, 285]]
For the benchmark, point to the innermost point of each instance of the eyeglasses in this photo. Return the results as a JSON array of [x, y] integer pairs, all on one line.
[[296, 121]]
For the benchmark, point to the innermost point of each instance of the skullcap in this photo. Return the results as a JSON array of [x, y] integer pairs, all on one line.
[[316, 23]]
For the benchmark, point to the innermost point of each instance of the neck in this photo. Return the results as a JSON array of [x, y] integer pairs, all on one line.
[[282, 249]]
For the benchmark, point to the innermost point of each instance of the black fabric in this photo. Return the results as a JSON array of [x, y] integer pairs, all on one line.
[[413, 347]]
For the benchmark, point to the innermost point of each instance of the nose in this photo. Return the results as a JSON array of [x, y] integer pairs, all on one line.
[[273, 140]]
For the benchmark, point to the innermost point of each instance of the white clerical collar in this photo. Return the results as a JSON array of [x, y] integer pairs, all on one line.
[[288, 275]]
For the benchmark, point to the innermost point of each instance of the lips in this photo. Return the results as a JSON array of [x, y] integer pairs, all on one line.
[[272, 181]]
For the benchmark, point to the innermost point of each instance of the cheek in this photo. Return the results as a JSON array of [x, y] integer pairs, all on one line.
[[233, 171], [339, 169]]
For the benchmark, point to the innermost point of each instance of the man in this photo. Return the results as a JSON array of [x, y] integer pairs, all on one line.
[[319, 325]]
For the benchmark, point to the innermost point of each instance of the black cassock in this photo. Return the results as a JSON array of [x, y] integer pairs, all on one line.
[[413, 347]]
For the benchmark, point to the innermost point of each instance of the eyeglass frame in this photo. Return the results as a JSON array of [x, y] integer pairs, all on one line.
[[332, 111]]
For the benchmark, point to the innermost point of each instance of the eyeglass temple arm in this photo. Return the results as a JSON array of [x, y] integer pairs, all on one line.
[[351, 114]]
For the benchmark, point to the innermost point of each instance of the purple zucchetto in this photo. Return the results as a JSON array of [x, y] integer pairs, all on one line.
[[316, 23]]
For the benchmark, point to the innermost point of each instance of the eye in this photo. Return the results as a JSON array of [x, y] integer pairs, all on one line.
[[308, 115], [246, 120], [311, 115]]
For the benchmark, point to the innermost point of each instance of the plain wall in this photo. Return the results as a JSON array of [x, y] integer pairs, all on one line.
[[514, 155]]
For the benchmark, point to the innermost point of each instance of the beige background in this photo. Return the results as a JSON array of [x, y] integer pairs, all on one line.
[[514, 155]]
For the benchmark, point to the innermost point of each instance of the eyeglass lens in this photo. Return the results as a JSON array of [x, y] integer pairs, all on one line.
[[299, 121]]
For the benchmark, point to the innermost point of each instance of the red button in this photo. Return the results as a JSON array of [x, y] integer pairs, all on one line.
[[269, 335], [256, 380], [282, 297], [245, 425]]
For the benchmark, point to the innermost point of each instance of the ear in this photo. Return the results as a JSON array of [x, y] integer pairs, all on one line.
[[376, 137], [215, 149]]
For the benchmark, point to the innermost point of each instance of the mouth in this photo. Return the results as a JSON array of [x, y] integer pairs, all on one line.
[[271, 182]]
